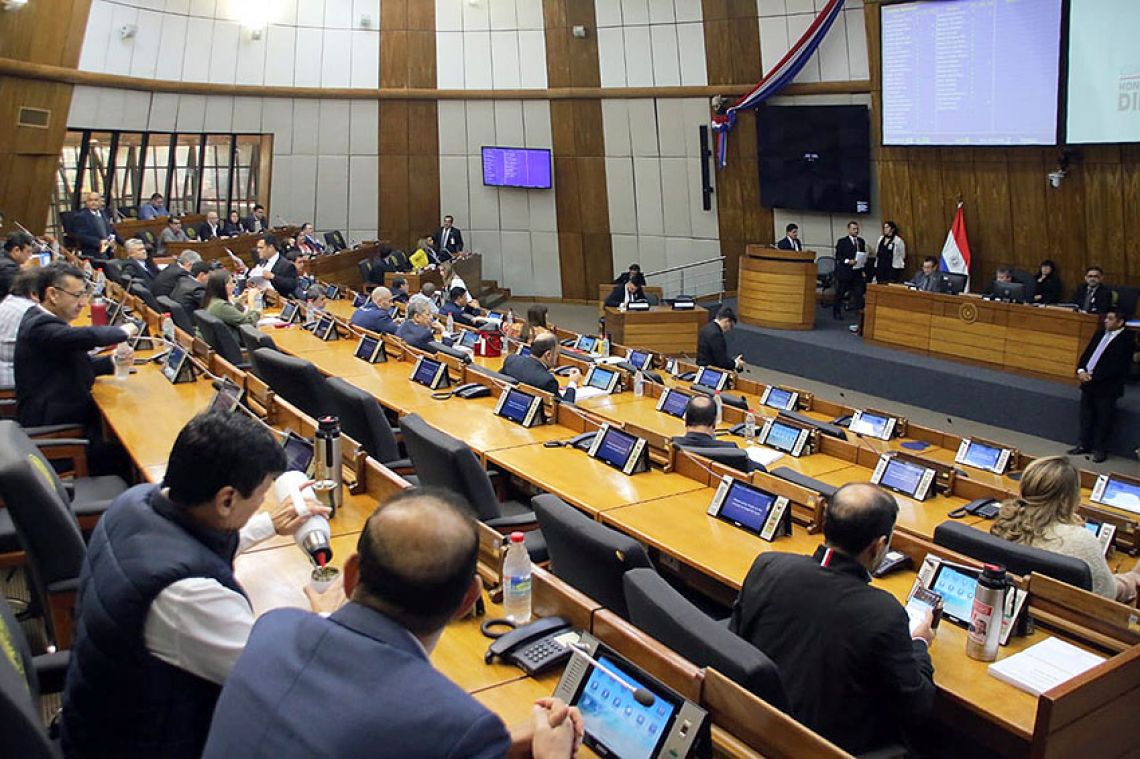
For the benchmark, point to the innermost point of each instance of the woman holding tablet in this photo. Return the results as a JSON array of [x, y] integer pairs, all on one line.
[[1044, 515]]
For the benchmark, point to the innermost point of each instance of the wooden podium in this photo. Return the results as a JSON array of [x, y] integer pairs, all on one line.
[[660, 329], [777, 288]]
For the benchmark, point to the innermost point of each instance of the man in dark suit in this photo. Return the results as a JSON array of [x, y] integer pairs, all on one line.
[[17, 250], [1102, 370], [189, 290], [276, 268], [791, 238], [633, 273], [712, 347], [854, 669], [138, 266], [534, 370], [54, 372], [255, 223], [211, 227], [360, 682], [92, 228], [929, 279], [418, 328], [700, 426], [626, 293], [448, 239], [167, 279], [400, 290], [1093, 296], [458, 308], [850, 270]]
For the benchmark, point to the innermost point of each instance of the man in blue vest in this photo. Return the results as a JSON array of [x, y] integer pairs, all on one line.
[[360, 682], [160, 617]]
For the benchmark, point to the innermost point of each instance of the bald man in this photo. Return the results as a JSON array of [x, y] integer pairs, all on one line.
[[92, 228], [534, 370], [855, 670], [376, 314], [360, 683]]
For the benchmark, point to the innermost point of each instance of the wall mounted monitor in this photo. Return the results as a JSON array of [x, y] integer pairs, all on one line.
[[972, 72], [528, 168], [1104, 72], [815, 158]]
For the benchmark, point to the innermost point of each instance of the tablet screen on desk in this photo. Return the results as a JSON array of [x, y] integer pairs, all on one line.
[[602, 379], [426, 372], [586, 343], [711, 378], [173, 363], [298, 453], [981, 456], [516, 406], [871, 425], [639, 359], [902, 476], [777, 397], [367, 347], [227, 398], [468, 338], [615, 723], [1119, 493], [782, 437], [332, 292], [674, 403], [746, 506], [956, 586], [616, 447], [289, 312]]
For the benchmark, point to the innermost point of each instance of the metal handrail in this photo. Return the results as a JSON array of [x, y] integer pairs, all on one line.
[[683, 266]]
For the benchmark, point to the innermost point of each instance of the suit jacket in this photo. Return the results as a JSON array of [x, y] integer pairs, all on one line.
[[206, 232], [139, 272], [530, 371], [1049, 289], [415, 335], [712, 347], [787, 243], [229, 229], [352, 685], [850, 669], [284, 276], [90, 229], [617, 295], [8, 271], [1101, 300], [931, 284], [701, 440], [459, 315], [373, 319], [250, 224], [54, 374], [454, 243], [188, 293], [166, 280], [844, 250], [1112, 368]]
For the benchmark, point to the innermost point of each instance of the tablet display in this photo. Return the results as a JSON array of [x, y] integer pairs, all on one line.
[[359, 300], [426, 371], [903, 476], [615, 723], [713, 379], [1119, 493], [368, 348], [602, 379], [674, 403], [956, 586], [227, 398], [332, 291], [298, 453], [746, 506], [870, 424], [639, 359], [782, 437], [173, 363], [524, 350], [981, 456], [289, 312], [615, 448], [586, 343], [325, 327], [468, 338], [515, 405], [777, 397]]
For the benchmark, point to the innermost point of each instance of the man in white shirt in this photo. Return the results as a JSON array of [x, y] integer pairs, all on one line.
[[21, 297], [1103, 370], [161, 618]]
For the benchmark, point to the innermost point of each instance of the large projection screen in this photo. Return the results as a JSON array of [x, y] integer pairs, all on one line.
[[1104, 71], [971, 72]]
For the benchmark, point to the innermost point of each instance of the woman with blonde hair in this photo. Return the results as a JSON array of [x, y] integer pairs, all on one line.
[[1044, 515]]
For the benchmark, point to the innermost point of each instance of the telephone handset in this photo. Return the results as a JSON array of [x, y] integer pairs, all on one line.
[[537, 647], [563, 370], [472, 390], [986, 508], [584, 441]]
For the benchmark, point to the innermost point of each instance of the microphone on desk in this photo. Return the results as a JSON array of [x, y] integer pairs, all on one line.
[[640, 695]]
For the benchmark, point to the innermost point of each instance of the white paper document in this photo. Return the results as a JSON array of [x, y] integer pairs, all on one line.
[[1044, 665], [765, 457]]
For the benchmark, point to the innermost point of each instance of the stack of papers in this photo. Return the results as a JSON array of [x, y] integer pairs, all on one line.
[[765, 457], [1044, 666]]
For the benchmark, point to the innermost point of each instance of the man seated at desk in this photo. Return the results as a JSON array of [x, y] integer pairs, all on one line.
[[426, 295], [1003, 276], [376, 314], [138, 265], [854, 670], [399, 290], [418, 329], [172, 232], [534, 370], [161, 618], [929, 280], [700, 426], [624, 294], [712, 347], [166, 280], [188, 292], [1092, 296], [153, 208], [211, 228], [361, 682], [459, 308]]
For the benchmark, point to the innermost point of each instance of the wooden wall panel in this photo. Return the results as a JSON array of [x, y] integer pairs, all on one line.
[[409, 129], [585, 249], [1013, 216]]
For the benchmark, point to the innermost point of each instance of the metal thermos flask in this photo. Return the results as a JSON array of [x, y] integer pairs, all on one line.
[[329, 484], [986, 615]]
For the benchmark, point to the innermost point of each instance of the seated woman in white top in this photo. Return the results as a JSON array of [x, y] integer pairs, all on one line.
[[1044, 516]]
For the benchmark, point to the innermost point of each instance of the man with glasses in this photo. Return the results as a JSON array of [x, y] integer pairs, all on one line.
[[173, 232], [54, 371]]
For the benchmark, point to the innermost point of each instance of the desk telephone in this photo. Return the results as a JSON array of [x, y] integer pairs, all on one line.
[[986, 508], [581, 442], [563, 370], [471, 390], [537, 647]]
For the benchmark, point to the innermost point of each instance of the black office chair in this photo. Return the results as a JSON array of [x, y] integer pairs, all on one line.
[[1015, 557], [178, 315], [652, 299], [587, 554], [1125, 298], [737, 458], [191, 233], [47, 528], [113, 269], [443, 461], [296, 380], [143, 292], [252, 338], [220, 338], [365, 267], [24, 733], [148, 238], [825, 271], [670, 618], [335, 241], [362, 419], [398, 260]]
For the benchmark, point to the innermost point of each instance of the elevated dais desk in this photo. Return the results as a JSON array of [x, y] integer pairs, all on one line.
[[1038, 341], [659, 329], [777, 288]]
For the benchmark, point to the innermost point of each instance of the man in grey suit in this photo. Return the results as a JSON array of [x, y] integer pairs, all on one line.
[[929, 280], [360, 683]]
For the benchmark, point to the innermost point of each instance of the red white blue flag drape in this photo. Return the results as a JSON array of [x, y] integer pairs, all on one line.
[[775, 80]]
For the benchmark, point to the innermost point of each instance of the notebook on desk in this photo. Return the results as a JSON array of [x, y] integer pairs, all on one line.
[[1044, 665]]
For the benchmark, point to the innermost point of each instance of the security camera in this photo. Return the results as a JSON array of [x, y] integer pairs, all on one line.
[[1056, 177], [126, 31]]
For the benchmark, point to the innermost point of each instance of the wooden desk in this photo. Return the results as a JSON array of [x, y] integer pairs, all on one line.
[[129, 228], [777, 288], [469, 268], [343, 267], [660, 329], [605, 289], [1042, 342], [243, 246]]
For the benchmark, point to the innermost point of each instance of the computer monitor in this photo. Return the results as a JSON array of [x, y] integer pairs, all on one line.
[[1014, 292]]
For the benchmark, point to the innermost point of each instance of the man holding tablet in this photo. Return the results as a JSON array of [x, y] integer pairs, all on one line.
[[855, 670]]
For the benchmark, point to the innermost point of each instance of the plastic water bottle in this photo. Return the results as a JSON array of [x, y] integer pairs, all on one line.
[[100, 282], [516, 581], [259, 301], [604, 344], [510, 316], [450, 324], [719, 408], [122, 359], [638, 384], [750, 426], [167, 328]]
